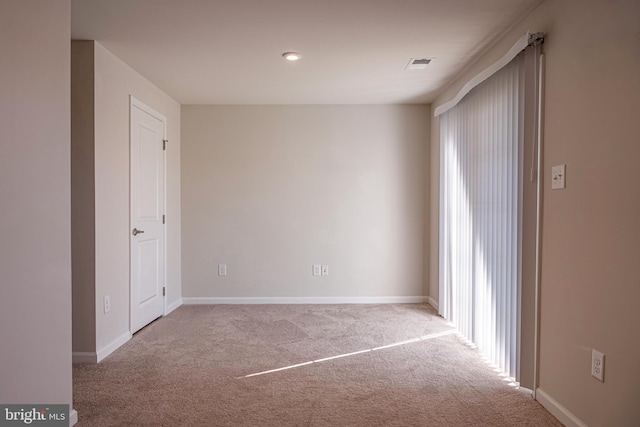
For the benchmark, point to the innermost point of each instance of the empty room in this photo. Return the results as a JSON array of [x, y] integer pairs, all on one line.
[[339, 213]]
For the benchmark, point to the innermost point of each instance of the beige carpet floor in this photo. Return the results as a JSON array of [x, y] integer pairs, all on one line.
[[398, 365]]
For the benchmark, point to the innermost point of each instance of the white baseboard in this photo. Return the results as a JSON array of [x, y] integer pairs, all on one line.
[[557, 410], [92, 357], [113, 346], [84, 357], [433, 303], [73, 417], [173, 306], [304, 300]]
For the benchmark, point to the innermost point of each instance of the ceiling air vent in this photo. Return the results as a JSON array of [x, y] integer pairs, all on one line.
[[418, 63]]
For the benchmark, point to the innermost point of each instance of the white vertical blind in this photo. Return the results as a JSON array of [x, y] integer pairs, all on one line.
[[481, 214]]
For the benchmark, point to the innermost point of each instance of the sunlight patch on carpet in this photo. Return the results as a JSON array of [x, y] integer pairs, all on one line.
[[396, 344]]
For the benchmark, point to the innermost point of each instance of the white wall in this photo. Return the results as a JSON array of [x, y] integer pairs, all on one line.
[[590, 251], [271, 190], [83, 242], [35, 246], [114, 82], [104, 139]]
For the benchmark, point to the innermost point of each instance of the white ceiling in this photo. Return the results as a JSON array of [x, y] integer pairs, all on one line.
[[353, 51]]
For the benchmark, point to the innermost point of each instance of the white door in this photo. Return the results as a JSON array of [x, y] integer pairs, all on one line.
[[147, 209]]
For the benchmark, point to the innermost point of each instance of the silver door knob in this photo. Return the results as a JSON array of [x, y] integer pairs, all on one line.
[[136, 231]]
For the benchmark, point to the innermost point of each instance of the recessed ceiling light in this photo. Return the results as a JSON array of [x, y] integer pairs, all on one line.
[[291, 56]]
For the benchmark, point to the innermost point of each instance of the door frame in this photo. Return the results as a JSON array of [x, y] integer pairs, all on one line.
[[135, 102]]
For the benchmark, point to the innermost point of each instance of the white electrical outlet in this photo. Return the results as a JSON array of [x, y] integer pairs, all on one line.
[[107, 304], [558, 177], [222, 269], [597, 364], [325, 270], [317, 270]]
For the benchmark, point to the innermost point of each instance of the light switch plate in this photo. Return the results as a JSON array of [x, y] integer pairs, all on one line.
[[222, 269], [317, 270], [558, 177]]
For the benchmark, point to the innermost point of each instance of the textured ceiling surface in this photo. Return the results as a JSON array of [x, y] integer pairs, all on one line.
[[353, 51]]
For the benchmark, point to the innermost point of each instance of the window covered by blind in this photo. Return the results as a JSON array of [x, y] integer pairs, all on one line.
[[481, 214]]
